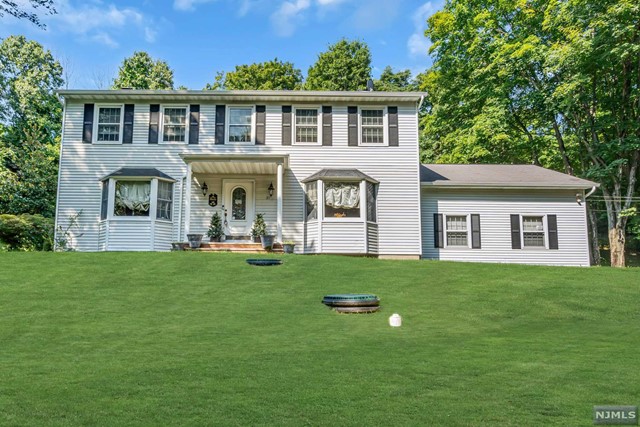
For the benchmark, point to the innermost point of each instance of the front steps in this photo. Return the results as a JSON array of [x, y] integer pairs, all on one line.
[[235, 246]]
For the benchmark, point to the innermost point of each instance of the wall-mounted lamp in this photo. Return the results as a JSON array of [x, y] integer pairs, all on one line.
[[204, 188], [270, 190], [579, 199]]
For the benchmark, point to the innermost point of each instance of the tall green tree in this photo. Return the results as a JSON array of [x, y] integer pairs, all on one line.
[[268, 75], [391, 81], [141, 71], [18, 10], [346, 65], [31, 117]]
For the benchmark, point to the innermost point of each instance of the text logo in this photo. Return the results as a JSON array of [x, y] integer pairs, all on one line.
[[615, 415]]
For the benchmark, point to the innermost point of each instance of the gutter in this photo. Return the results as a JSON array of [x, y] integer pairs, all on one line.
[[506, 187]]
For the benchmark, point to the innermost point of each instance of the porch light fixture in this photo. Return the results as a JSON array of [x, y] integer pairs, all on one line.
[[204, 188], [270, 190]]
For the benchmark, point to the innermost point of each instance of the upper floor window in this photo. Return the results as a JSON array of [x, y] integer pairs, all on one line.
[[372, 126], [109, 124], [306, 129], [240, 124], [174, 124]]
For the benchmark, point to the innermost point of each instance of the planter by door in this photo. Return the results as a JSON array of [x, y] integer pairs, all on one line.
[[267, 242], [288, 248], [194, 240]]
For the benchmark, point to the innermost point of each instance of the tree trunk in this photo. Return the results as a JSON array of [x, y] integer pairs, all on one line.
[[616, 245], [594, 253]]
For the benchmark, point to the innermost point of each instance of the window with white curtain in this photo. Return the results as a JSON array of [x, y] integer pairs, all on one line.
[[132, 198], [342, 199]]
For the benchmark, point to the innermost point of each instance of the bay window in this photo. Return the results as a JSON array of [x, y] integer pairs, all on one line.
[[342, 199]]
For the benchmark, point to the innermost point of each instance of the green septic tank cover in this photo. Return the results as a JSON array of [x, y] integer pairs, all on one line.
[[359, 297]]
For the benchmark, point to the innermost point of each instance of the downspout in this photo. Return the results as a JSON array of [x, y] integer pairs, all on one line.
[[184, 179], [420, 102], [57, 214], [593, 190]]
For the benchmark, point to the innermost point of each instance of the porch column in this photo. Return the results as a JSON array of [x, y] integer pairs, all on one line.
[[187, 202], [279, 200]]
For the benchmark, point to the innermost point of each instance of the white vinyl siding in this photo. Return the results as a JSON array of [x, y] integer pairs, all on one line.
[[83, 165], [495, 209]]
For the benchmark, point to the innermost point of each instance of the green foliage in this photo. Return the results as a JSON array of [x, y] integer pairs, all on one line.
[[17, 10], [346, 65], [395, 82], [215, 226], [259, 227], [26, 232], [30, 135], [269, 75], [141, 71], [64, 239]]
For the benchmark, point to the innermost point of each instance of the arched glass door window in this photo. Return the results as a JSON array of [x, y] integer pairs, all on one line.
[[239, 204]]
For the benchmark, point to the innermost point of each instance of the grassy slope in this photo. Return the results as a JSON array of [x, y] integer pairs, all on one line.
[[192, 338]]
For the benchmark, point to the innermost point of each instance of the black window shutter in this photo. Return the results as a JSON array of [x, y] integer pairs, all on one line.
[[515, 232], [286, 125], [327, 126], [194, 123], [552, 225], [154, 123], [87, 127], [393, 126], [438, 233], [220, 113], [352, 113], [475, 231], [127, 132], [261, 117]]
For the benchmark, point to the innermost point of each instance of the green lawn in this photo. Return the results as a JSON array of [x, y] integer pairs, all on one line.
[[204, 339]]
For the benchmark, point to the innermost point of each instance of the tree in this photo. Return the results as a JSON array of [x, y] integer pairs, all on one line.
[[268, 75], [395, 82], [346, 65], [141, 71], [15, 9], [29, 136]]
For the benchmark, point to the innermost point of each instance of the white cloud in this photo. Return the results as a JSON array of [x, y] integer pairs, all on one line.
[[417, 43], [329, 2], [287, 17], [188, 4], [99, 22]]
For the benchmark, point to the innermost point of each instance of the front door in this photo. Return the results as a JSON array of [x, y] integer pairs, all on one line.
[[238, 207]]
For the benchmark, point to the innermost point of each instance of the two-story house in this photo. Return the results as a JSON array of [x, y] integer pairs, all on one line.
[[336, 172]]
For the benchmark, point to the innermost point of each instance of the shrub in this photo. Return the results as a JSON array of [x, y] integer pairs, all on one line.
[[26, 232]]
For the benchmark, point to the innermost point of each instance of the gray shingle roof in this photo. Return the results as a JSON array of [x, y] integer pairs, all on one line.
[[493, 176], [335, 174], [137, 172]]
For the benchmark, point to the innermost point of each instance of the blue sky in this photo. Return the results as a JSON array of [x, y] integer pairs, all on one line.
[[199, 37]]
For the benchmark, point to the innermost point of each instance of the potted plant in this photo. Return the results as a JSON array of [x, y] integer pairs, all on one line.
[[215, 228], [259, 228], [177, 246], [194, 240], [288, 246]]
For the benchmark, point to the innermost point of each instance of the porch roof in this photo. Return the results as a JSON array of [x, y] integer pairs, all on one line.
[[232, 164], [336, 174], [134, 172]]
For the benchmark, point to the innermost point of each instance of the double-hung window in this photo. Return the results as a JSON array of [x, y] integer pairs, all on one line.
[[457, 231], [165, 199], [240, 124], [174, 124], [533, 231], [109, 123], [372, 126], [311, 197], [307, 130]]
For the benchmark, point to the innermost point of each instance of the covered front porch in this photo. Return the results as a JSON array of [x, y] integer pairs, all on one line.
[[237, 187]]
